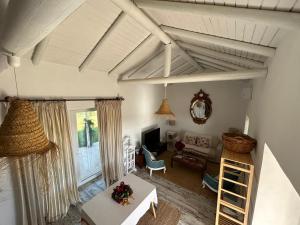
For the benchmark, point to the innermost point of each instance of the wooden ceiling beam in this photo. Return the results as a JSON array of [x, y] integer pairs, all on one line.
[[140, 48], [137, 14], [214, 65], [225, 42], [217, 61], [149, 60], [202, 77], [211, 68], [98, 45], [287, 20], [162, 68], [222, 56], [179, 68], [39, 51], [190, 71]]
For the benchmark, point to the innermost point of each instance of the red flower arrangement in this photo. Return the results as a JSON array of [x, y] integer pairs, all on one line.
[[121, 193]]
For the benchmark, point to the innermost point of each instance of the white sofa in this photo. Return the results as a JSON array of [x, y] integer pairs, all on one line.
[[203, 145]]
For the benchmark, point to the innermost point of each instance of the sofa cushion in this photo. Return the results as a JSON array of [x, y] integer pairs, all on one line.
[[153, 158], [190, 139], [202, 141]]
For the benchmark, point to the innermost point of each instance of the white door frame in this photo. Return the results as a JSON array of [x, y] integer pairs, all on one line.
[[74, 140]]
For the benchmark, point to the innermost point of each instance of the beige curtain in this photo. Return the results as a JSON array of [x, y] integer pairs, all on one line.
[[110, 125], [36, 205]]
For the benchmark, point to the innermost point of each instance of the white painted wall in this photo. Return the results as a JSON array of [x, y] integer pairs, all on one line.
[[274, 119], [50, 80], [278, 193], [228, 106], [138, 109]]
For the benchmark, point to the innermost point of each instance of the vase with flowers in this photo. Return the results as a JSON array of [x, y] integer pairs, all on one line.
[[122, 193]]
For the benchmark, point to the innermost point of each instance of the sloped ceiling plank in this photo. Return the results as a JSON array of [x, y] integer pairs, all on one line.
[[159, 69], [285, 5], [296, 7], [241, 3], [185, 67], [222, 68], [216, 48], [258, 34], [116, 69], [150, 45], [179, 67], [269, 4], [228, 28], [282, 5], [126, 37], [218, 61], [278, 37], [230, 2], [255, 4], [148, 64], [269, 34], [62, 56], [79, 33], [147, 61]]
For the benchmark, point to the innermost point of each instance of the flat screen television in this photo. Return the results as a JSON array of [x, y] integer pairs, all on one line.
[[151, 138]]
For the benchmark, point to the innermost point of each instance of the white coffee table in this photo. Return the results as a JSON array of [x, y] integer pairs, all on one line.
[[103, 210]]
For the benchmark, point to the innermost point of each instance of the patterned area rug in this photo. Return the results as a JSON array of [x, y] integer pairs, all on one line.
[[166, 214], [194, 208]]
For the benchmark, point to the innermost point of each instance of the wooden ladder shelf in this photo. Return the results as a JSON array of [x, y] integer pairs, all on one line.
[[238, 165]]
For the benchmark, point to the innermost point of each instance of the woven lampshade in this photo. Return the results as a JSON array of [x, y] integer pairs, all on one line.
[[21, 132], [164, 109]]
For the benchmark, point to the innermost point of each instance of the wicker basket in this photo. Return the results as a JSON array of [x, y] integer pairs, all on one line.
[[239, 143]]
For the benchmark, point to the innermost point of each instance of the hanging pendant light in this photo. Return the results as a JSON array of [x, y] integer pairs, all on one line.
[[22, 135], [21, 132], [164, 109]]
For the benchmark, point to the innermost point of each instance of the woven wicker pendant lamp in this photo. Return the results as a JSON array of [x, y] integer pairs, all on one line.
[[21, 132], [164, 109]]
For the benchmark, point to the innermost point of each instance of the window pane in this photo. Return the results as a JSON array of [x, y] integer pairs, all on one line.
[[87, 152]]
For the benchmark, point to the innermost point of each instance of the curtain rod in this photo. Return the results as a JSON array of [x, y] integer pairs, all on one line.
[[6, 99]]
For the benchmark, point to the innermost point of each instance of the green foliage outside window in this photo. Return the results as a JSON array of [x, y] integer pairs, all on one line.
[[87, 128]]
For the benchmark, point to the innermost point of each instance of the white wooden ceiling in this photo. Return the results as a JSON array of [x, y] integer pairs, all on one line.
[[74, 39]]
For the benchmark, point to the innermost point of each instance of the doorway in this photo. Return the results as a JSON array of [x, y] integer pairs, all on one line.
[[86, 145]]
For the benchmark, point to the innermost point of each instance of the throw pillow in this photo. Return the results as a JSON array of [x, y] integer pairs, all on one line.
[[202, 142], [153, 158], [179, 145], [190, 140]]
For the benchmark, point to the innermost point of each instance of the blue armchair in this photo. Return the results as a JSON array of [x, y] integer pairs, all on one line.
[[152, 163]]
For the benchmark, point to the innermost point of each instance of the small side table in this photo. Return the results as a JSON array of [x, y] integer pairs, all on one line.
[[140, 160], [170, 137]]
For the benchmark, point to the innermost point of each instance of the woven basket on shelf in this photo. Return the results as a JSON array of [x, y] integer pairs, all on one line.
[[21, 132], [239, 143]]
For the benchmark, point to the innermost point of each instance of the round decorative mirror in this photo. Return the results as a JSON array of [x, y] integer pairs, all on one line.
[[200, 108]]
